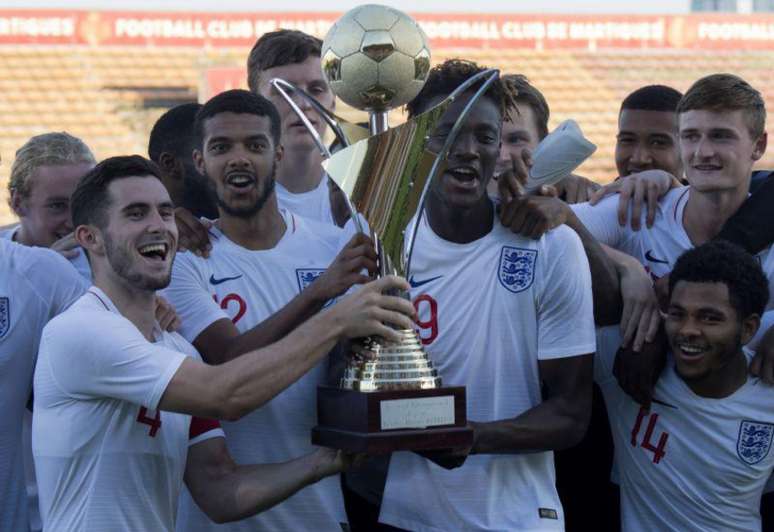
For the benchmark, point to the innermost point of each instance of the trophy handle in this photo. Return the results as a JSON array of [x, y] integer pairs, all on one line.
[[283, 87], [489, 76]]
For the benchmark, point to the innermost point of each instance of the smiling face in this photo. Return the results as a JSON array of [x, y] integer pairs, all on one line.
[[717, 149], [140, 238], [704, 329], [647, 140], [45, 212], [470, 163], [306, 75], [239, 158]]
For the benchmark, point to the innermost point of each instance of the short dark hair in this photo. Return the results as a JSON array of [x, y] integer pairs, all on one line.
[[726, 92], [446, 77], [720, 261], [653, 98], [523, 91], [90, 200], [173, 132], [238, 101], [279, 48]]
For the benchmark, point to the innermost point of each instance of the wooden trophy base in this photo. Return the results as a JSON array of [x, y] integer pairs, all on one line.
[[391, 420]]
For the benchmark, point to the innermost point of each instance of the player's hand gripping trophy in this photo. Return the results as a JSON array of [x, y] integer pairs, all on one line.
[[376, 58]]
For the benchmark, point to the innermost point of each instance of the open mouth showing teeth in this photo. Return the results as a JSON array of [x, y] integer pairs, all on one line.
[[240, 181], [154, 251], [463, 174], [691, 350]]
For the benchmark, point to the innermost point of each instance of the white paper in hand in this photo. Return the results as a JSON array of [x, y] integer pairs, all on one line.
[[557, 155]]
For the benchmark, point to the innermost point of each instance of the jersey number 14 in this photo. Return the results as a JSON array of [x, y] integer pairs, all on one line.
[[658, 450]]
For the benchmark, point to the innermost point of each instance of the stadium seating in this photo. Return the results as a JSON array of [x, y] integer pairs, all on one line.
[[111, 96]]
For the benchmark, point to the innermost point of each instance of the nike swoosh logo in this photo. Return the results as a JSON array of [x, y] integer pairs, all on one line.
[[223, 280], [415, 284], [650, 258]]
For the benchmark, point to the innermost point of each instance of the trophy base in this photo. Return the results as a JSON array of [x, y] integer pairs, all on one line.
[[391, 420]]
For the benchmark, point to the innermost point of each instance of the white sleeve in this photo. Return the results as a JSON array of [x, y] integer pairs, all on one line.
[[602, 220], [187, 293], [55, 280], [93, 353], [564, 301]]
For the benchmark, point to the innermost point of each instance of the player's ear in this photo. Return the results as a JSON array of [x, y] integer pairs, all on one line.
[[18, 204], [198, 159], [90, 238], [760, 146], [169, 165], [279, 153], [750, 326]]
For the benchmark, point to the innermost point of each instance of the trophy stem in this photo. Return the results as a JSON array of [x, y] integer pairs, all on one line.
[[377, 122]]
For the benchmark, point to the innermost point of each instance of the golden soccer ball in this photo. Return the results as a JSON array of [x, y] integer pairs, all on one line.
[[375, 58]]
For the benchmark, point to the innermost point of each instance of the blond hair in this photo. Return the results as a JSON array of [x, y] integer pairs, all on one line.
[[57, 148]]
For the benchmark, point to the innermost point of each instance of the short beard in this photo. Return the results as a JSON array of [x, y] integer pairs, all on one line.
[[121, 262], [255, 208]]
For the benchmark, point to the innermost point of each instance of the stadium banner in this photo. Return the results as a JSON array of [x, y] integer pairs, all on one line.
[[451, 30]]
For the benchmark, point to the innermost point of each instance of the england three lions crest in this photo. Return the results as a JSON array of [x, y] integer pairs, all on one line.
[[517, 268], [754, 441], [307, 276], [5, 316]]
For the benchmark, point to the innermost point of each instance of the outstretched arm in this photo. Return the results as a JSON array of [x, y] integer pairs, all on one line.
[[233, 389], [226, 491], [221, 341]]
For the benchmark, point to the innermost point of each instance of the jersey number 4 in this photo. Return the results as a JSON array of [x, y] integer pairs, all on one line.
[[154, 422], [658, 450]]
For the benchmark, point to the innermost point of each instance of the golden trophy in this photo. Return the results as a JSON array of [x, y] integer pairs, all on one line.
[[376, 58]]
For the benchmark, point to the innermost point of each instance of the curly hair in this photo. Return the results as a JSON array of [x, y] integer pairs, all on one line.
[[723, 262], [446, 77], [56, 149]]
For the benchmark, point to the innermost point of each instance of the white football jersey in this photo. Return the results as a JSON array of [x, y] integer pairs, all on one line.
[[691, 463], [105, 456], [489, 311], [36, 284], [79, 262], [248, 287], [657, 247], [312, 205]]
